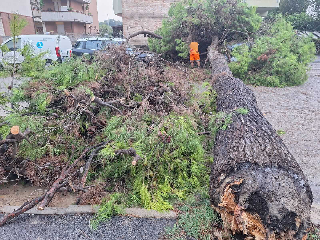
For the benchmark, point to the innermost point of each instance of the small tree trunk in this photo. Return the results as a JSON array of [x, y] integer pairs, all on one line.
[[256, 184]]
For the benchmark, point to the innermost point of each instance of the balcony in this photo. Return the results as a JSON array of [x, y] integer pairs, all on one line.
[[270, 4], [36, 14], [263, 6], [66, 17]]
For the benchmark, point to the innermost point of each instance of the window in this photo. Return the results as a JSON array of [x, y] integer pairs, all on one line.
[[10, 44], [94, 44], [80, 45]]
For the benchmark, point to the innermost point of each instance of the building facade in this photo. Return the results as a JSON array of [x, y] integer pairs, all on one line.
[[21, 7], [147, 15], [69, 17]]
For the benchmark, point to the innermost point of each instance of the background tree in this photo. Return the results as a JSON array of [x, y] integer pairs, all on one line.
[[17, 24], [288, 7], [304, 15], [203, 21], [105, 30], [278, 58]]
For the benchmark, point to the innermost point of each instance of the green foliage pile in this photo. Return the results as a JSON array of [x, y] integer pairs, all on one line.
[[201, 20], [173, 164], [304, 15], [108, 209], [163, 109], [68, 74], [277, 59]]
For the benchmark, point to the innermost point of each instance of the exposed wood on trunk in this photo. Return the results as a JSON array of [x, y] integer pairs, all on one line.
[[145, 33], [256, 184], [15, 137]]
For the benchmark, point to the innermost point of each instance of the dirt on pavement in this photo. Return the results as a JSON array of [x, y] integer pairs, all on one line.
[[17, 193]]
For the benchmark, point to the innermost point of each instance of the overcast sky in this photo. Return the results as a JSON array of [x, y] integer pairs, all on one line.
[[105, 10]]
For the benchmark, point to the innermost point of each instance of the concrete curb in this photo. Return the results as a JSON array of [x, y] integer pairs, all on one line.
[[88, 209], [134, 212]]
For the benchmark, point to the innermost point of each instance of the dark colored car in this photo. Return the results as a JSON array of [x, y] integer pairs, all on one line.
[[91, 45]]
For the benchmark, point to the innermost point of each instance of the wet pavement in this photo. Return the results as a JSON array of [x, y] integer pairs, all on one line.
[[296, 111]]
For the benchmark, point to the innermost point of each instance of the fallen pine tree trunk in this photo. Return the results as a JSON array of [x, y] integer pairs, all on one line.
[[256, 184]]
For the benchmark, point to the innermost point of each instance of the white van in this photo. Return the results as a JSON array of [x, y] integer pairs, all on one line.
[[56, 47]]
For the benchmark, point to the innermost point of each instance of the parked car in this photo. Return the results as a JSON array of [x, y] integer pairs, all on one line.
[[88, 46], [55, 47]]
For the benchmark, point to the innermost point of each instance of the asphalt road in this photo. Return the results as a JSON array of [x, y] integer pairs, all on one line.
[[73, 227]]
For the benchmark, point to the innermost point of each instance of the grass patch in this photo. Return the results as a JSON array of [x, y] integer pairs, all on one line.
[[281, 132], [196, 219]]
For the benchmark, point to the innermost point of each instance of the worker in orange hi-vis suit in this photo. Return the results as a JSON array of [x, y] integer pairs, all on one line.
[[194, 53]]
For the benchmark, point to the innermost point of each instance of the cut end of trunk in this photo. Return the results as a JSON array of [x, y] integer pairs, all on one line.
[[93, 98], [238, 220], [15, 130]]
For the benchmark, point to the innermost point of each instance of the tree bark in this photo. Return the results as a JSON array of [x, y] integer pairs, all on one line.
[[256, 184]]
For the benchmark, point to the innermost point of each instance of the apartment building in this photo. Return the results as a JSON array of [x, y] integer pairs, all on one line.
[[140, 15], [68, 17], [23, 8]]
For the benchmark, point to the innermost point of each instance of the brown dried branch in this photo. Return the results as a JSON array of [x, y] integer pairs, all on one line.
[[63, 178], [204, 133], [88, 164], [3, 124], [102, 103], [17, 135], [7, 141], [25, 207], [146, 34], [131, 152]]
